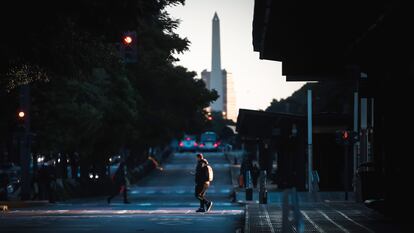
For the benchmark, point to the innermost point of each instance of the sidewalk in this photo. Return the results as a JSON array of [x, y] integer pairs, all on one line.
[[318, 217], [276, 196], [320, 212], [14, 204]]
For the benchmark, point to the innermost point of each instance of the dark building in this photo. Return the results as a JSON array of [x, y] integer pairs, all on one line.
[[368, 42], [287, 137]]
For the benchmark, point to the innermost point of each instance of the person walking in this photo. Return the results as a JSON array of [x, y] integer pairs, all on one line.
[[51, 185], [255, 173], [119, 184], [35, 185], [203, 177]]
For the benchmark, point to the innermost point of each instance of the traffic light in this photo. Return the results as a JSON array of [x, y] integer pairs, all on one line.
[[346, 137], [127, 40], [128, 47], [209, 116], [342, 137], [21, 118]]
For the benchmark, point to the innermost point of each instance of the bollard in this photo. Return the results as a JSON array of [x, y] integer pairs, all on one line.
[[263, 190], [249, 189]]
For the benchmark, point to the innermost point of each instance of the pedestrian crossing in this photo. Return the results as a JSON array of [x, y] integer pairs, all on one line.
[[189, 190], [112, 212]]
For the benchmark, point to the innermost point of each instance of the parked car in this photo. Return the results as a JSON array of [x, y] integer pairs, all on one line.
[[209, 142], [188, 143]]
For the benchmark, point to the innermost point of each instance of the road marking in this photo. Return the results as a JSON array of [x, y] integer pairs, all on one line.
[[332, 221], [357, 211], [268, 220], [60, 213], [312, 222], [348, 218]]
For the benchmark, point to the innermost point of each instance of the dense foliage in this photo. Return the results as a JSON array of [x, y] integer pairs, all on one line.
[[83, 97], [332, 97]]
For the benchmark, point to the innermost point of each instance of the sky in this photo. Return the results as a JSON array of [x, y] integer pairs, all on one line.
[[256, 81]]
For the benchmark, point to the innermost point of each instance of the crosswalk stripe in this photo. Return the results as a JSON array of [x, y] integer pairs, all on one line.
[[356, 223], [332, 221], [312, 222]]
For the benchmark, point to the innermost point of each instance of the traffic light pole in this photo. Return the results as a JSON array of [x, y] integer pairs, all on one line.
[[346, 171], [355, 144], [310, 147], [24, 142]]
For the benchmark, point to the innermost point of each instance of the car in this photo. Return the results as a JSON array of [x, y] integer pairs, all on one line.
[[188, 143], [209, 142]]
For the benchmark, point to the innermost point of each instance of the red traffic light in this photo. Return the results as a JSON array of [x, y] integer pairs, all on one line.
[[21, 114], [127, 40], [345, 135]]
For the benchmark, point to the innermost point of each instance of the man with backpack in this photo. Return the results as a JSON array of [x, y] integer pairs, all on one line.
[[203, 177]]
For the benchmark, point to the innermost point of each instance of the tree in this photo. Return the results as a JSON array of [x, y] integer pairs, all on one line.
[[84, 98], [334, 97]]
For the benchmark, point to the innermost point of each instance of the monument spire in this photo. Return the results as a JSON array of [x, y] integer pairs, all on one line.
[[216, 73]]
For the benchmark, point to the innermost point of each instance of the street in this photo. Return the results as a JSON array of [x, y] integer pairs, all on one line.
[[162, 202]]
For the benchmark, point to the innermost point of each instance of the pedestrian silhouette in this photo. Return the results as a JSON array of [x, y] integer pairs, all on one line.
[[119, 184], [255, 174], [203, 177]]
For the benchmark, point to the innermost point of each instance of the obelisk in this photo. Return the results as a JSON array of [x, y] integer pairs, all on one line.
[[216, 80]]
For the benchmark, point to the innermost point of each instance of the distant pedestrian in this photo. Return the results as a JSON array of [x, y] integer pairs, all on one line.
[[203, 177], [51, 183], [119, 183], [35, 185], [42, 182], [245, 167], [74, 165], [255, 173]]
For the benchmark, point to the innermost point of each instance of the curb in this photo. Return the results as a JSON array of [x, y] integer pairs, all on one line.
[[22, 204]]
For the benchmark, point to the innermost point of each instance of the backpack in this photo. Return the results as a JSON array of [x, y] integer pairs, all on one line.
[[208, 172]]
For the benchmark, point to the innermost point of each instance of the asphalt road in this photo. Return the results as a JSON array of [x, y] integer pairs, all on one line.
[[162, 202]]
